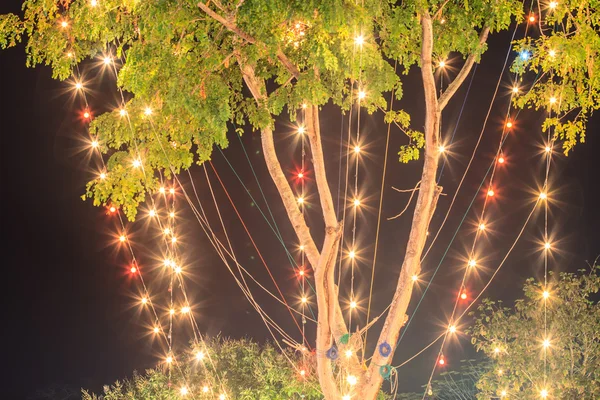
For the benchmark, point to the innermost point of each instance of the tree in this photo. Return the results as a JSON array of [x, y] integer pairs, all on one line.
[[201, 66], [515, 340], [243, 369]]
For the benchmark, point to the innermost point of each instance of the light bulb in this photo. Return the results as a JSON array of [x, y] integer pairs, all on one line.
[[169, 360], [172, 190], [172, 214], [183, 390], [161, 190], [133, 270], [544, 393], [166, 231], [351, 254], [300, 175], [122, 112], [346, 397], [546, 343], [173, 239], [490, 193], [64, 24], [95, 144], [515, 89], [547, 245], [548, 149], [532, 18], [472, 263], [553, 4], [102, 175], [359, 40], [148, 111], [481, 227], [546, 294], [300, 200], [200, 355], [361, 94], [497, 350], [178, 270], [301, 247], [353, 304], [509, 124], [503, 393], [93, 3], [501, 160], [304, 105], [452, 329], [144, 300], [463, 295], [543, 196], [357, 149], [185, 310], [356, 202], [70, 54], [442, 149], [107, 60], [156, 329], [78, 86], [137, 163], [304, 299], [552, 53], [415, 278], [122, 238], [172, 311], [221, 397], [442, 361], [205, 389], [552, 100], [302, 372], [348, 353], [86, 115], [301, 130], [152, 213], [442, 64], [112, 209], [301, 272]]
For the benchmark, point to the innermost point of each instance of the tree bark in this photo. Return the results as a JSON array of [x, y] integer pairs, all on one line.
[[426, 202]]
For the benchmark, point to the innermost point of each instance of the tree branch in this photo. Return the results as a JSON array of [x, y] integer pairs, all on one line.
[[231, 26], [426, 202], [464, 72], [258, 90]]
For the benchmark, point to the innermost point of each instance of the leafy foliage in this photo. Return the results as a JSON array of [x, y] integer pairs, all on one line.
[[240, 368], [573, 358]]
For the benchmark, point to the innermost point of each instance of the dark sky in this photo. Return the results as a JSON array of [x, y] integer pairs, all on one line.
[[68, 315]]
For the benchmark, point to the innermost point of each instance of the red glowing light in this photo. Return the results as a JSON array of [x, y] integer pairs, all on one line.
[[301, 272], [490, 193], [86, 114], [532, 18], [112, 209], [501, 160], [133, 269], [442, 361], [300, 175], [463, 295]]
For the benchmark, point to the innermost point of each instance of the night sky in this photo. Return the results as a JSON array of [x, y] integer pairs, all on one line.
[[69, 315]]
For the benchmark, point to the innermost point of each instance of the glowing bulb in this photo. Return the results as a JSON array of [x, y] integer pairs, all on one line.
[[497, 350], [552, 100], [463, 296], [546, 294], [78, 86], [352, 304], [200, 355], [532, 18], [351, 254], [122, 238], [221, 397], [123, 112], [515, 89], [102, 175], [185, 310], [356, 202], [301, 130], [346, 397], [301, 272], [452, 329], [144, 300], [472, 263], [161, 190], [93, 3], [148, 111], [415, 278], [304, 105], [304, 299], [352, 380], [302, 372], [501, 160], [168, 262], [442, 149], [133, 270], [503, 393], [107, 60], [156, 330], [95, 144], [546, 343], [442, 64], [300, 175], [543, 196], [70, 55], [481, 227], [361, 94], [509, 124], [86, 115], [112, 209], [152, 213], [552, 53], [172, 190], [177, 270], [301, 247], [166, 231], [348, 353], [137, 163], [169, 360], [544, 392], [64, 24], [553, 4], [183, 391], [490, 193], [548, 149], [442, 361], [172, 214], [359, 40], [524, 55], [205, 389], [172, 311], [300, 200], [357, 149]]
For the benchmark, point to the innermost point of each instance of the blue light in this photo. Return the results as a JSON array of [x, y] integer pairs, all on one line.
[[524, 55]]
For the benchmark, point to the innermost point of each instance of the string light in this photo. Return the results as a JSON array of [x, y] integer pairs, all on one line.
[[102, 175], [205, 389], [442, 149], [359, 40], [64, 24], [357, 149], [509, 124], [301, 247], [172, 311], [107, 60], [532, 18], [503, 393], [86, 114], [301, 272], [548, 149], [144, 300], [112, 209], [348, 353], [463, 295], [172, 214], [442, 64], [178, 270], [133, 269], [300, 175], [543, 196], [93, 3], [136, 163], [304, 299], [353, 304], [482, 227], [497, 350], [351, 254], [169, 360], [515, 89], [302, 372], [352, 380], [552, 53], [452, 329], [544, 393], [200, 355], [301, 130], [552, 100], [553, 4], [300, 200], [78, 86], [185, 310], [122, 238], [122, 112], [172, 190], [152, 213], [361, 94], [161, 190], [356, 202], [221, 397], [156, 329], [167, 231], [546, 343], [501, 160], [490, 192], [442, 361], [472, 263], [183, 390], [148, 111], [346, 397], [94, 144], [546, 294]]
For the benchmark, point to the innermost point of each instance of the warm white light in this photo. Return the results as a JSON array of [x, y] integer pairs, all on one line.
[[107, 60], [78, 86], [348, 353], [172, 190], [221, 397], [205, 389], [352, 304], [168, 262], [509, 124], [300, 175], [123, 112], [148, 111], [546, 294], [183, 391], [144, 300], [547, 245], [161, 190], [442, 149], [304, 105], [490, 193], [415, 278], [553, 4], [137, 163], [515, 89], [95, 144], [452, 329], [301, 130], [546, 343], [352, 380], [351, 254], [503, 393], [166, 231], [481, 227], [172, 311], [172, 214], [552, 53], [346, 397], [156, 330], [497, 350], [301, 247], [169, 360], [200, 355], [122, 238], [552, 100], [543, 196], [359, 40], [356, 202], [304, 299], [177, 270], [501, 160], [102, 175], [64, 24], [86, 115], [548, 149], [472, 263], [185, 310], [300, 200], [442, 64], [361, 94], [544, 393], [357, 149], [93, 3], [152, 213]]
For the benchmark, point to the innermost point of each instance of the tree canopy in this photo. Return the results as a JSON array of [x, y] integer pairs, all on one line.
[[515, 339]]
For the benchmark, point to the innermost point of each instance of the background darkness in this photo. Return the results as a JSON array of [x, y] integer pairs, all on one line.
[[68, 316]]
